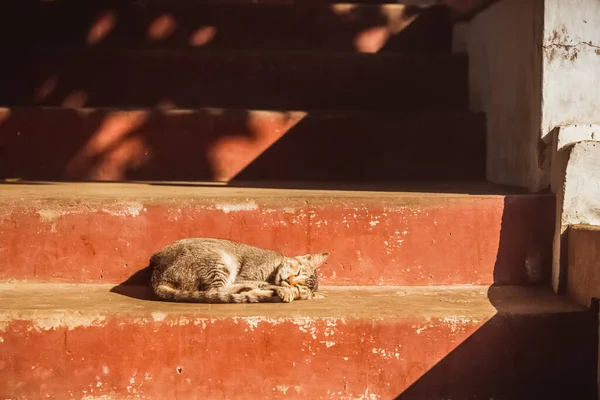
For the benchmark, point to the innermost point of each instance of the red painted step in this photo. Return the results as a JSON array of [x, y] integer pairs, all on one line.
[[225, 145], [236, 79], [64, 341], [98, 233], [147, 23]]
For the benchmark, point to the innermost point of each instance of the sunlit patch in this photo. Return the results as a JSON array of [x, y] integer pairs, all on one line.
[[75, 99], [162, 27], [371, 40], [343, 8], [231, 154], [112, 150], [45, 89], [203, 36], [5, 114], [130, 154], [398, 17], [101, 27]]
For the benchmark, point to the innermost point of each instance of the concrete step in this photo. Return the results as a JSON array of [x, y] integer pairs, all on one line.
[[152, 24], [84, 341], [232, 145], [94, 233], [582, 263], [278, 80]]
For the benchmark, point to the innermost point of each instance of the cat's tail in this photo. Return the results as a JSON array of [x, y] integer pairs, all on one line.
[[167, 292]]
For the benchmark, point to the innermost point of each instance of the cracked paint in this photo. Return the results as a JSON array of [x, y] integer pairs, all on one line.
[[237, 207]]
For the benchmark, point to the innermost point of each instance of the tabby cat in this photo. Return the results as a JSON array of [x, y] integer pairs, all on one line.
[[205, 270]]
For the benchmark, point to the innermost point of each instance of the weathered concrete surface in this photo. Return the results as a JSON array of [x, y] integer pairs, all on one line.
[[224, 145], [571, 57], [561, 139], [583, 274], [105, 232], [583, 266], [70, 341], [577, 199], [505, 77], [551, 80]]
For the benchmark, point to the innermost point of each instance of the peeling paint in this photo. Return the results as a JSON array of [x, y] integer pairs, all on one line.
[[102, 397], [158, 316], [327, 344], [458, 323], [366, 396], [180, 320], [120, 209], [236, 207], [387, 354], [49, 320], [283, 389], [124, 209], [421, 328], [305, 324], [51, 215]]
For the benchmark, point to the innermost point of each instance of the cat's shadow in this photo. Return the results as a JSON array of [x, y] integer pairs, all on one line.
[[136, 286]]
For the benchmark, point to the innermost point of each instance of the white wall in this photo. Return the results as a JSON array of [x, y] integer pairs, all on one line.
[[505, 70], [571, 56]]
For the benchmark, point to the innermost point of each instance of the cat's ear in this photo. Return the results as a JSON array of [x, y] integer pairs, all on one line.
[[316, 260]]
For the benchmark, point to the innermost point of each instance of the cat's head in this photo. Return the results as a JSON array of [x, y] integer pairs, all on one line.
[[301, 271]]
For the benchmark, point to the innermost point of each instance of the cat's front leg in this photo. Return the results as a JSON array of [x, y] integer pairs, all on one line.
[[287, 294], [256, 284]]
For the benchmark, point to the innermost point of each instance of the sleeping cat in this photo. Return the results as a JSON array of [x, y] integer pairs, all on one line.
[[221, 271]]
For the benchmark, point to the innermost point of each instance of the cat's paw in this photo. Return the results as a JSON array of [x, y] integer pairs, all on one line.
[[286, 294], [317, 296]]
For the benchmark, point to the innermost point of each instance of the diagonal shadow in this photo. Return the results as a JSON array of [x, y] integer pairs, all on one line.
[[374, 147], [518, 357], [238, 146], [545, 353]]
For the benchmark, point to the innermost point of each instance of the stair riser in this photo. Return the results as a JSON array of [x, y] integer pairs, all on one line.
[[373, 241], [253, 80], [221, 145], [185, 357], [342, 27]]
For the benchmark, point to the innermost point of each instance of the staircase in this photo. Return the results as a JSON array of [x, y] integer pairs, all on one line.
[[298, 127]]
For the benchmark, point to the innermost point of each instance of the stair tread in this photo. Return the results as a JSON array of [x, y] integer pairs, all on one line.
[[233, 144], [61, 302], [104, 232], [419, 343], [199, 192], [242, 79], [240, 25]]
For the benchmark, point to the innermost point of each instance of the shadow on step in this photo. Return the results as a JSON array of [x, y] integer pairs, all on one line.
[[189, 25], [518, 356], [543, 352], [238, 146], [137, 286]]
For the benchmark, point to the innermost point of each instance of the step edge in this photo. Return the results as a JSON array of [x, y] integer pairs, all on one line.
[[241, 193]]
